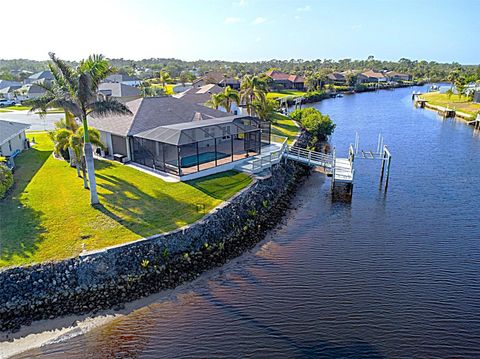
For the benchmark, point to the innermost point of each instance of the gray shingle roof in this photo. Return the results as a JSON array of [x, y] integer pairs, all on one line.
[[186, 133], [9, 129], [47, 75], [116, 89], [6, 83], [151, 112]]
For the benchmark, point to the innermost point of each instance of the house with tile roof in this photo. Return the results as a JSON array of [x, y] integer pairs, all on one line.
[[282, 80], [218, 78], [371, 76]]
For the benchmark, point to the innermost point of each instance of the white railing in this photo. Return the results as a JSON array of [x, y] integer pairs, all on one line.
[[310, 157]]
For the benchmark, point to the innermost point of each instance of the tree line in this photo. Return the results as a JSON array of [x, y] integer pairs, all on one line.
[[419, 69]]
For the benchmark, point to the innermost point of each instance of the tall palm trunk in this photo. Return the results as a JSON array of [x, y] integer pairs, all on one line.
[[84, 172], [87, 149]]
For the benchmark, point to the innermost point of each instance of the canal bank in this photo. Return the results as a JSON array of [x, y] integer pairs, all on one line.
[[109, 278]]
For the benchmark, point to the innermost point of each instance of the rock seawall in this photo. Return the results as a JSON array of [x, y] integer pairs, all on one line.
[[111, 277]]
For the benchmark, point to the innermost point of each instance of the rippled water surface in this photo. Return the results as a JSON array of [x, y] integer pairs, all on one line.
[[389, 275]]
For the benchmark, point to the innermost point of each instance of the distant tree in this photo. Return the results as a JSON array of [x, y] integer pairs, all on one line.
[[216, 100], [252, 88], [164, 78], [230, 97], [351, 79], [312, 120], [266, 109], [449, 93], [183, 78]]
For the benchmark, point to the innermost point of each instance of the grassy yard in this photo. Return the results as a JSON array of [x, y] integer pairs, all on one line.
[[284, 126], [284, 93], [48, 216], [26, 108], [455, 101]]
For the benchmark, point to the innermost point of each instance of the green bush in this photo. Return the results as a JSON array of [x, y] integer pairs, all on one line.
[[6, 179], [313, 121]]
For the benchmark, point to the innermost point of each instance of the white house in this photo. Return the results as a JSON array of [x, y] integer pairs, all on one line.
[[124, 79], [12, 137]]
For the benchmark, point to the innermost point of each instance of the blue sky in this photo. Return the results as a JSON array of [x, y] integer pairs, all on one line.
[[248, 30]]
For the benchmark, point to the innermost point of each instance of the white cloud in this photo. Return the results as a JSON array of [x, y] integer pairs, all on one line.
[[258, 39], [356, 27], [241, 3], [305, 8], [231, 20], [297, 17], [259, 20]]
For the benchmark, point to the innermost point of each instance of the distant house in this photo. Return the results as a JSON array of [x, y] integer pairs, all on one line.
[[9, 92], [396, 76], [476, 96], [215, 77], [200, 95], [39, 77], [7, 83], [371, 76], [336, 78], [282, 80], [123, 79], [118, 91], [29, 91], [12, 137], [179, 138]]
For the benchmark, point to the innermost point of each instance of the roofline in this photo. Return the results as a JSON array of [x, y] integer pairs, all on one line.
[[16, 133]]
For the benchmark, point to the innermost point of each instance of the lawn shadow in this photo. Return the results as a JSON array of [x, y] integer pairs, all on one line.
[[20, 225], [140, 212], [221, 190]]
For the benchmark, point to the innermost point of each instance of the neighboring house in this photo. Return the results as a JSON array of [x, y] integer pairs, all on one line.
[[118, 91], [201, 94], [123, 79], [396, 76], [39, 77], [179, 138], [214, 77], [12, 137], [476, 96], [282, 80], [29, 91], [9, 92], [7, 83], [336, 78], [371, 76]]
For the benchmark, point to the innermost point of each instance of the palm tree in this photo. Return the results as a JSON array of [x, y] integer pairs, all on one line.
[[230, 96], [164, 78], [216, 100], [252, 88], [266, 109], [75, 91], [73, 140]]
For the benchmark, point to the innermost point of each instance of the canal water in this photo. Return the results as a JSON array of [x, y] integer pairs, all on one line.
[[389, 275]]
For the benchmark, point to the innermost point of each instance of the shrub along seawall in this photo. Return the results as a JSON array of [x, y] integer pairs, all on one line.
[[109, 278]]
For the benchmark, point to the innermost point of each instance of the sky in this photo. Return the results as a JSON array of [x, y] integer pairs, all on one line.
[[243, 30]]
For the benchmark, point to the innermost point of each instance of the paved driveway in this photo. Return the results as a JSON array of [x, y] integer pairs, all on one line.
[[36, 122]]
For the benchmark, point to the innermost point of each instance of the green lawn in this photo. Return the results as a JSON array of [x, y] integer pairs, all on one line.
[[285, 93], [284, 126], [26, 108], [455, 101], [48, 216]]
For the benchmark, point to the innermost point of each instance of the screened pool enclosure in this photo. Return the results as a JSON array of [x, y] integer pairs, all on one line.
[[187, 148]]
